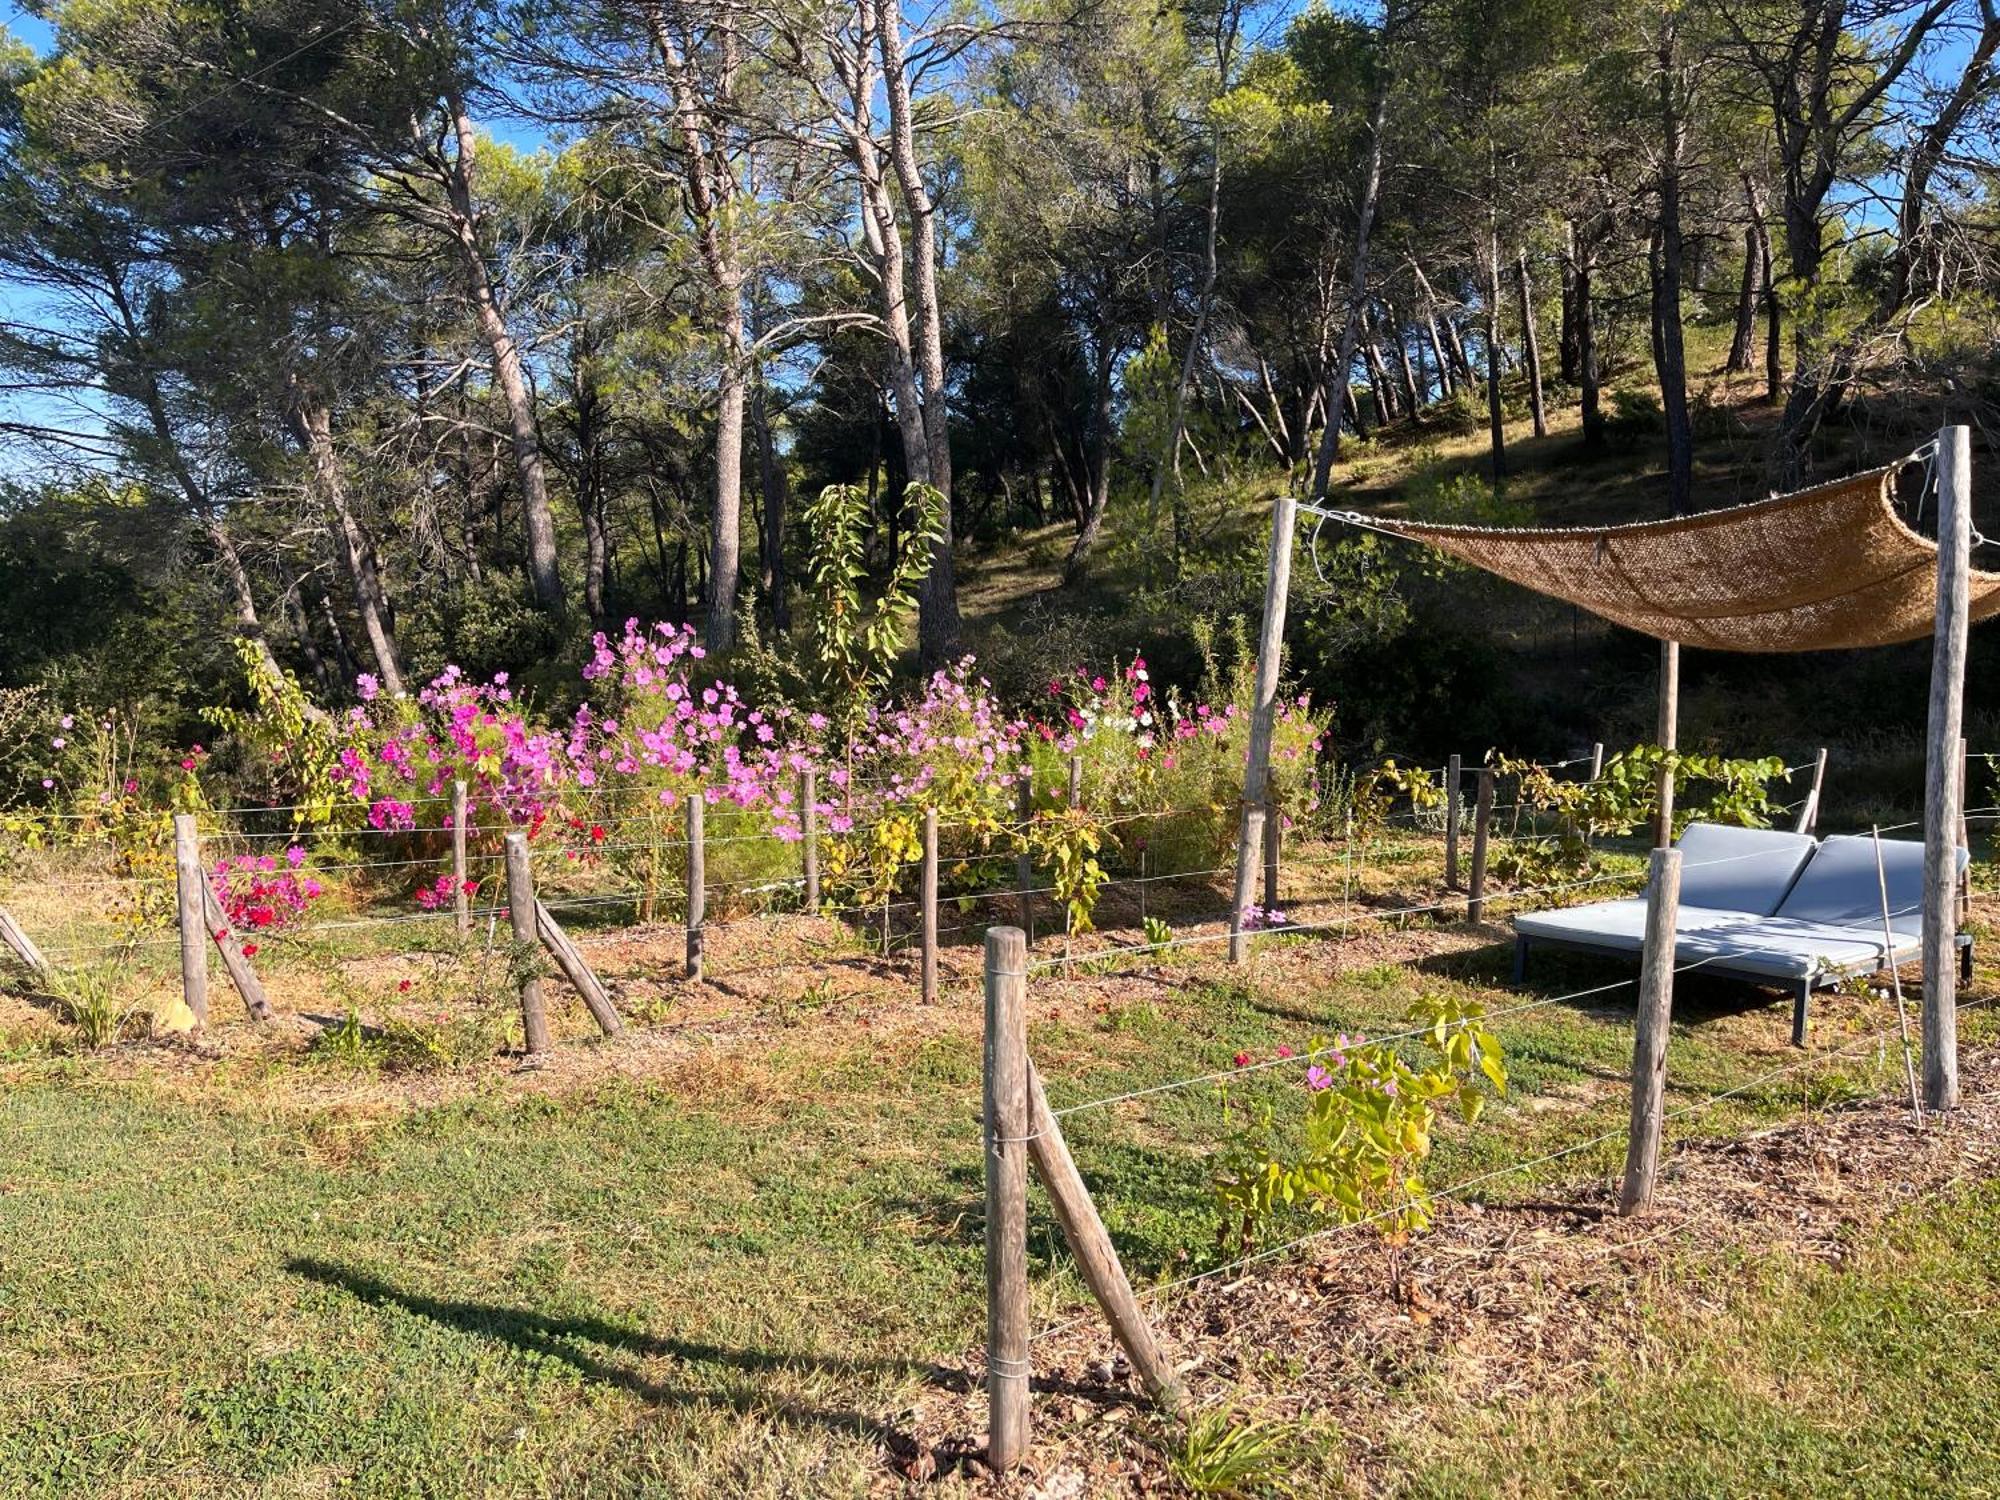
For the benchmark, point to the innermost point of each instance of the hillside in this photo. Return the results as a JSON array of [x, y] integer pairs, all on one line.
[[1481, 662]]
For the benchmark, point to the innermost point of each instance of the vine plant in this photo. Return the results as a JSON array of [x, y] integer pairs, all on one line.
[[1355, 1152]]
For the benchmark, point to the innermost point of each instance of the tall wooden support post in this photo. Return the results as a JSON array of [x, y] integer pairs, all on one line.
[[521, 915], [189, 881], [1482, 829], [1263, 710], [1024, 859], [1941, 779], [927, 899], [1649, 1045], [1597, 760], [1095, 1255], [461, 899], [1454, 780], [1809, 809], [809, 834], [1007, 1113], [1076, 781], [1670, 736], [697, 881]]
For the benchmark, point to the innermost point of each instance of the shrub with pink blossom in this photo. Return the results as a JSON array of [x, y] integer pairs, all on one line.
[[261, 893]]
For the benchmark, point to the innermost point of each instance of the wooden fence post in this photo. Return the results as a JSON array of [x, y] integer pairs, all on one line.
[[1649, 1046], [1809, 809], [235, 962], [521, 908], [1941, 809], [15, 936], [927, 899], [1482, 827], [697, 880], [809, 817], [1597, 760], [569, 958], [1007, 1114], [461, 899], [1095, 1255], [1263, 714], [189, 880], [1076, 781], [1454, 780], [1024, 859]]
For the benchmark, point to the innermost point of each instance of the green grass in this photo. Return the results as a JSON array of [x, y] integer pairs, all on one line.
[[1878, 1378]]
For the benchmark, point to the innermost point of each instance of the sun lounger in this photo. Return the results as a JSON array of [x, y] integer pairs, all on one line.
[[1765, 907]]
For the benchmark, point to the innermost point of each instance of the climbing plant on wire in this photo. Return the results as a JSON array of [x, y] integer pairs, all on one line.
[[1567, 817]]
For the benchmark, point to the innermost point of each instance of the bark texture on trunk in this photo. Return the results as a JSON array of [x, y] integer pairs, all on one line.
[[509, 373], [312, 427], [1531, 345]]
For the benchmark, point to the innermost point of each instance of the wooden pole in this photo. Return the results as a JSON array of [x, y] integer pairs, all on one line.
[[1941, 809], [927, 900], [1482, 827], [1649, 1045], [1024, 859], [461, 899], [1809, 810], [697, 881], [569, 958], [1274, 839], [1076, 781], [1597, 760], [1263, 711], [1454, 779], [189, 879], [521, 909], [1095, 1255], [809, 817], [1007, 1362], [16, 938], [235, 962], [1670, 734]]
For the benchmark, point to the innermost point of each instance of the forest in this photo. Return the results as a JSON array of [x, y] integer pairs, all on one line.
[[381, 337]]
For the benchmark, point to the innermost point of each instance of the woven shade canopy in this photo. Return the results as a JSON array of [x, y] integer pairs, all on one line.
[[1823, 569]]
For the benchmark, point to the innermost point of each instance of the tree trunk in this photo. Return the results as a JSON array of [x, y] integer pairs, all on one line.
[[1586, 348], [1097, 482], [1495, 416], [1337, 376], [544, 575], [771, 550], [312, 427], [1746, 308], [1566, 351], [937, 597], [726, 542], [1531, 345], [713, 189], [1413, 401], [302, 631], [1672, 367]]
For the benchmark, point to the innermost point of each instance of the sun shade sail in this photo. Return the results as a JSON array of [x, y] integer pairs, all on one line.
[[1823, 569]]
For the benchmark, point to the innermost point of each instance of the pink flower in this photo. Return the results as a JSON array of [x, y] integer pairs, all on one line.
[[1317, 1078], [1242, 1059], [1284, 1051]]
